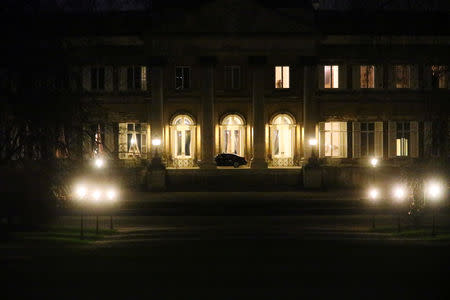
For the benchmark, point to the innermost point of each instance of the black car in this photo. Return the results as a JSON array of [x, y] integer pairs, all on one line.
[[227, 159]]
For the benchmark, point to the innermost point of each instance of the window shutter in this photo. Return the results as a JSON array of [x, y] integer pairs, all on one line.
[[144, 138], [427, 138], [122, 78], [86, 78], [379, 139], [379, 76], [414, 77], [342, 77], [427, 75], [109, 138], [356, 135], [123, 140], [392, 135], [109, 78], [321, 78], [356, 76], [414, 137], [391, 76], [321, 138]]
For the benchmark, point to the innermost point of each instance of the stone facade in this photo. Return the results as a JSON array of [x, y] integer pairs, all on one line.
[[187, 58]]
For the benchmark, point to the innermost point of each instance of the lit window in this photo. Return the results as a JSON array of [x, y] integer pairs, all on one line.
[[331, 77], [97, 78], [232, 135], [439, 77], [232, 77], [132, 140], [402, 75], [367, 139], [182, 78], [367, 76], [182, 131], [282, 77], [282, 131], [335, 139], [402, 138]]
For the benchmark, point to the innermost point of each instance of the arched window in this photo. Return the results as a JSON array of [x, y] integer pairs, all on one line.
[[282, 136], [232, 135], [182, 136]]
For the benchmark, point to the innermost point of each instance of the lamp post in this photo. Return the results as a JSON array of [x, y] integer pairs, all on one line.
[[80, 194], [96, 194], [373, 196], [434, 191], [399, 194], [111, 196]]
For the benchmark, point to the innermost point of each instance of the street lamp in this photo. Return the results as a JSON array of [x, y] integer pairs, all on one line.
[[99, 163], [95, 195], [373, 196], [156, 142], [399, 193], [374, 162], [111, 194], [313, 143], [434, 190]]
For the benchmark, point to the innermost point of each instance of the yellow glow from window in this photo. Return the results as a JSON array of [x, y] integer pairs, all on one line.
[[282, 77]]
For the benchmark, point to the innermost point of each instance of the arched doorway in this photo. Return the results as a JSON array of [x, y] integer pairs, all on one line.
[[282, 138], [183, 141], [232, 135]]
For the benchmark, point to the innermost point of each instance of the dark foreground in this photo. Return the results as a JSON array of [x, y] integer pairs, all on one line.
[[232, 257]]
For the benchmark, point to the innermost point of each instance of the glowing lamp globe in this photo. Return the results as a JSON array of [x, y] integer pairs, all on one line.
[[312, 142], [434, 190], [156, 142], [99, 163], [96, 195], [399, 193], [373, 194], [374, 162], [111, 194], [80, 191]]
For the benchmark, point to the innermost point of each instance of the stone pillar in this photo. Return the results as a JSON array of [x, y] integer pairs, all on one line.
[[157, 171], [309, 108], [207, 124], [259, 130]]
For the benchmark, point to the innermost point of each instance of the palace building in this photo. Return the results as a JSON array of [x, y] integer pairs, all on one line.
[[273, 85]]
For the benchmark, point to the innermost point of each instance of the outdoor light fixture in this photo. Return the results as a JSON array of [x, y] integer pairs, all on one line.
[[111, 194], [312, 142], [156, 142], [434, 190], [96, 195], [80, 191], [399, 193], [374, 162], [99, 163], [373, 194]]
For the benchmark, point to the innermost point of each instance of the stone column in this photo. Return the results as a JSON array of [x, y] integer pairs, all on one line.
[[207, 125], [259, 130], [157, 170], [310, 109]]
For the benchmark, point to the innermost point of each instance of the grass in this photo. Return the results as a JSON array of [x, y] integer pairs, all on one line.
[[409, 233], [62, 235]]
